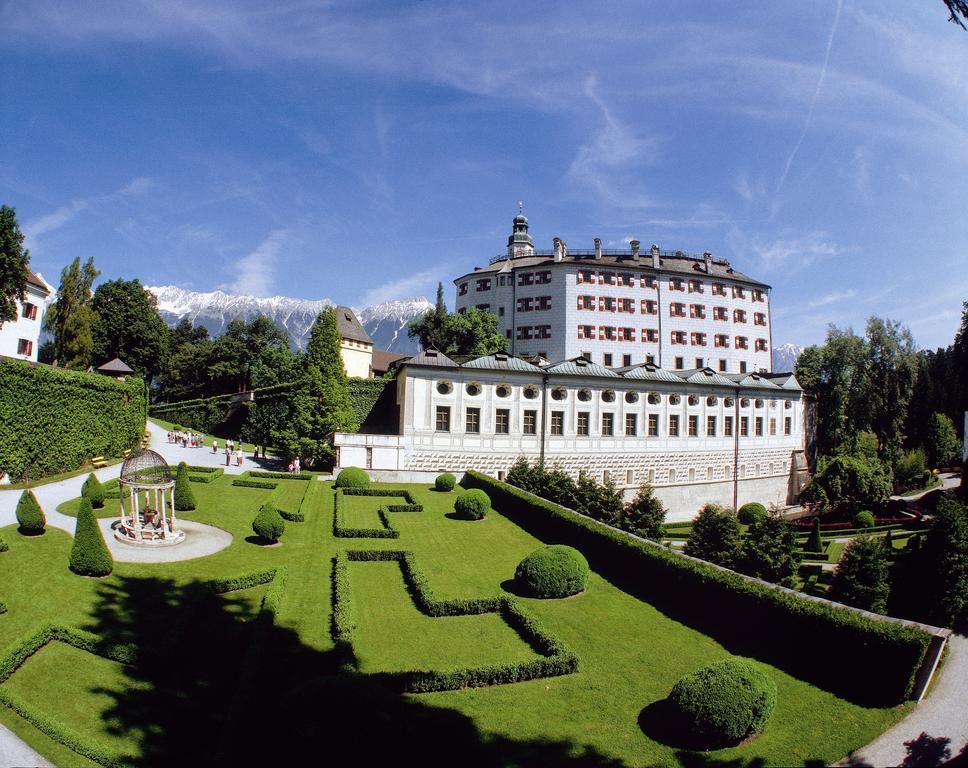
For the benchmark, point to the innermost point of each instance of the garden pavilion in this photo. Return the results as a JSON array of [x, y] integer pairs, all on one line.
[[147, 501]]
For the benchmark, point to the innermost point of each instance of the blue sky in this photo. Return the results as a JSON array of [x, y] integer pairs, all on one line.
[[362, 151]]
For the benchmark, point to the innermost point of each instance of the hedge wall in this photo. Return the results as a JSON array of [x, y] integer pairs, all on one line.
[[205, 414], [53, 420], [374, 402], [807, 638]]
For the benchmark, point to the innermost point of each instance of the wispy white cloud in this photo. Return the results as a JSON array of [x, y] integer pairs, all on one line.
[[255, 273], [419, 283], [831, 298], [56, 219], [793, 254]]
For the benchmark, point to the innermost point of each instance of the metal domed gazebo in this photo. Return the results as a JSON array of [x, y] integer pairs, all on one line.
[[147, 501]]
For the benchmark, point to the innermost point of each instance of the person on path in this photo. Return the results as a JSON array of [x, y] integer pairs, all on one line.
[[214, 446], [239, 456], [228, 453], [295, 465]]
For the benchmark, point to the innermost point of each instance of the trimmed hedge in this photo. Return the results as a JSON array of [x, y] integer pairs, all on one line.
[[553, 571], [244, 482], [445, 482], [282, 475], [268, 523], [722, 704], [204, 474], [342, 531], [184, 498], [299, 516], [30, 516], [90, 556], [202, 415], [53, 420], [473, 504], [805, 637], [555, 657], [93, 489], [353, 477], [864, 520], [750, 511]]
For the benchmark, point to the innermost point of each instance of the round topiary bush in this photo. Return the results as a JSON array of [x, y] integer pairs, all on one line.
[[552, 571], [93, 490], [90, 556], [268, 524], [184, 497], [751, 512], [473, 504], [352, 477], [864, 519], [29, 515], [445, 482], [724, 703]]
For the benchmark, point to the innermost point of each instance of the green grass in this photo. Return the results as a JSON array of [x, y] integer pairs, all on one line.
[[935, 482], [248, 448], [82, 470], [630, 653]]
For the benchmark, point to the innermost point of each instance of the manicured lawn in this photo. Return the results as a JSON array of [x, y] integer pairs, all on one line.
[[284, 701], [206, 440], [934, 482]]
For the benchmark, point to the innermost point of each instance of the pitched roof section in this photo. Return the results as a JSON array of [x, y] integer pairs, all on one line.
[[350, 326], [431, 358], [37, 282], [383, 360], [784, 381], [502, 362], [705, 376], [750, 380], [115, 366], [579, 366], [648, 372]]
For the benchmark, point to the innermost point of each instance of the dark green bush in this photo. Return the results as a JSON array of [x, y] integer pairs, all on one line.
[[715, 536], [90, 556], [352, 477], [244, 482], [29, 515], [553, 571], [473, 504], [93, 489], [445, 482], [814, 542], [864, 519], [3, 545], [750, 512], [724, 703], [861, 578], [184, 497], [268, 524]]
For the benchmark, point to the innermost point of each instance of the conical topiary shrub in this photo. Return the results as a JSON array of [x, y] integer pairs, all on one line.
[[90, 556], [814, 542], [93, 490], [29, 515], [184, 498], [268, 524]]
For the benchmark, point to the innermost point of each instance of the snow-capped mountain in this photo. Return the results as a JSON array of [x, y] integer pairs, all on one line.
[[785, 357], [386, 323]]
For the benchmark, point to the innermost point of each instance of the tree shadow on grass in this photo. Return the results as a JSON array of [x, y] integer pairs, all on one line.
[[201, 693]]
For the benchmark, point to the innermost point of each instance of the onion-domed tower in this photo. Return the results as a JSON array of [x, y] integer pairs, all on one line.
[[520, 243]]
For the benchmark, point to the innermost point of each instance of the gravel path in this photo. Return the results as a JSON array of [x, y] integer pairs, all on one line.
[[14, 753]]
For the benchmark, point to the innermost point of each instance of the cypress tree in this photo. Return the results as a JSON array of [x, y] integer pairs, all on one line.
[[93, 490], [184, 497], [268, 524], [30, 516], [90, 556], [861, 578], [815, 543]]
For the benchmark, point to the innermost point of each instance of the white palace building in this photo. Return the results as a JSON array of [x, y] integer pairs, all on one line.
[[650, 386]]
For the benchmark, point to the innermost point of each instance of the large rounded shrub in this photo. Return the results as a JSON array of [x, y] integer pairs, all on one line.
[[352, 477], [30, 516], [724, 703], [750, 512], [184, 497], [473, 504], [90, 556], [268, 524], [864, 519], [93, 490], [552, 571], [445, 482]]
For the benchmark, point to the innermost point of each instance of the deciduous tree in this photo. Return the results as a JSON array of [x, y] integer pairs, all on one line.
[[127, 325], [13, 265], [861, 578], [70, 318]]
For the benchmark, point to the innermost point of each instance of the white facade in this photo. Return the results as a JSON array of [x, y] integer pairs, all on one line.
[[357, 357], [621, 308], [696, 436], [21, 337]]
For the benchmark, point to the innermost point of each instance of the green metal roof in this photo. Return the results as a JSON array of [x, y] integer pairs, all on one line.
[[579, 366], [502, 363]]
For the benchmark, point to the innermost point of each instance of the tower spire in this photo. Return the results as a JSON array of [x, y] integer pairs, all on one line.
[[520, 243]]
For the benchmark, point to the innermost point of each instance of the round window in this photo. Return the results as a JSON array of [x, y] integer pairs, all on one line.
[[473, 388], [787, 404], [445, 387], [502, 390], [759, 403], [712, 400], [674, 399], [729, 402], [654, 398], [559, 393], [530, 393], [693, 399], [584, 395], [631, 397], [744, 402], [608, 396]]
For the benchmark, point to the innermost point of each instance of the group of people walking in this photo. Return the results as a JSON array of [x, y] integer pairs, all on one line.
[[233, 453], [186, 439]]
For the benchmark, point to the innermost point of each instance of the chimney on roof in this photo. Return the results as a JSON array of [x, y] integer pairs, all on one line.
[[635, 248], [655, 256], [598, 248], [559, 247], [707, 257]]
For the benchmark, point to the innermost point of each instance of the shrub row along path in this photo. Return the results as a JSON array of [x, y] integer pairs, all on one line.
[[203, 539]]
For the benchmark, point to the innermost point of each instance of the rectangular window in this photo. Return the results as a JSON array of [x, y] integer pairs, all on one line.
[[649, 307], [586, 302], [631, 424], [673, 426], [557, 422], [772, 426], [761, 345], [693, 426], [606, 303], [586, 276], [472, 420], [744, 426], [727, 426], [483, 307], [742, 366], [526, 278], [677, 284], [443, 418], [650, 359], [526, 304], [700, 362], [502, 421], [759, 318], [500, 311], [678, 337], [582, 424], [758, 426], [606, 278], [25, 347], [677, 309], [719, 289], [680, 363], [462, 290], [711, 426], [29, 311], [720, 313], [741, 342], [739, 315], [627, 306], [607, 359], [739, 292], [608, 424], [484, 285], [650, 334], [787, 425], [587, 356], [653, 425], [722, 365], [626, 279], [524, 332], [626, 334], [697, 339], [543, 277], [606, 332], [530, 423], [586, 331], [722, 340], [695, 286], [542, 303], [697, 311], [626, 361], [542, 332]]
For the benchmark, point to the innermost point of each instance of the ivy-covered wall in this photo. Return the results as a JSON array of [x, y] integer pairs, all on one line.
[[53, 420], [205, 414], [375, 403]]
